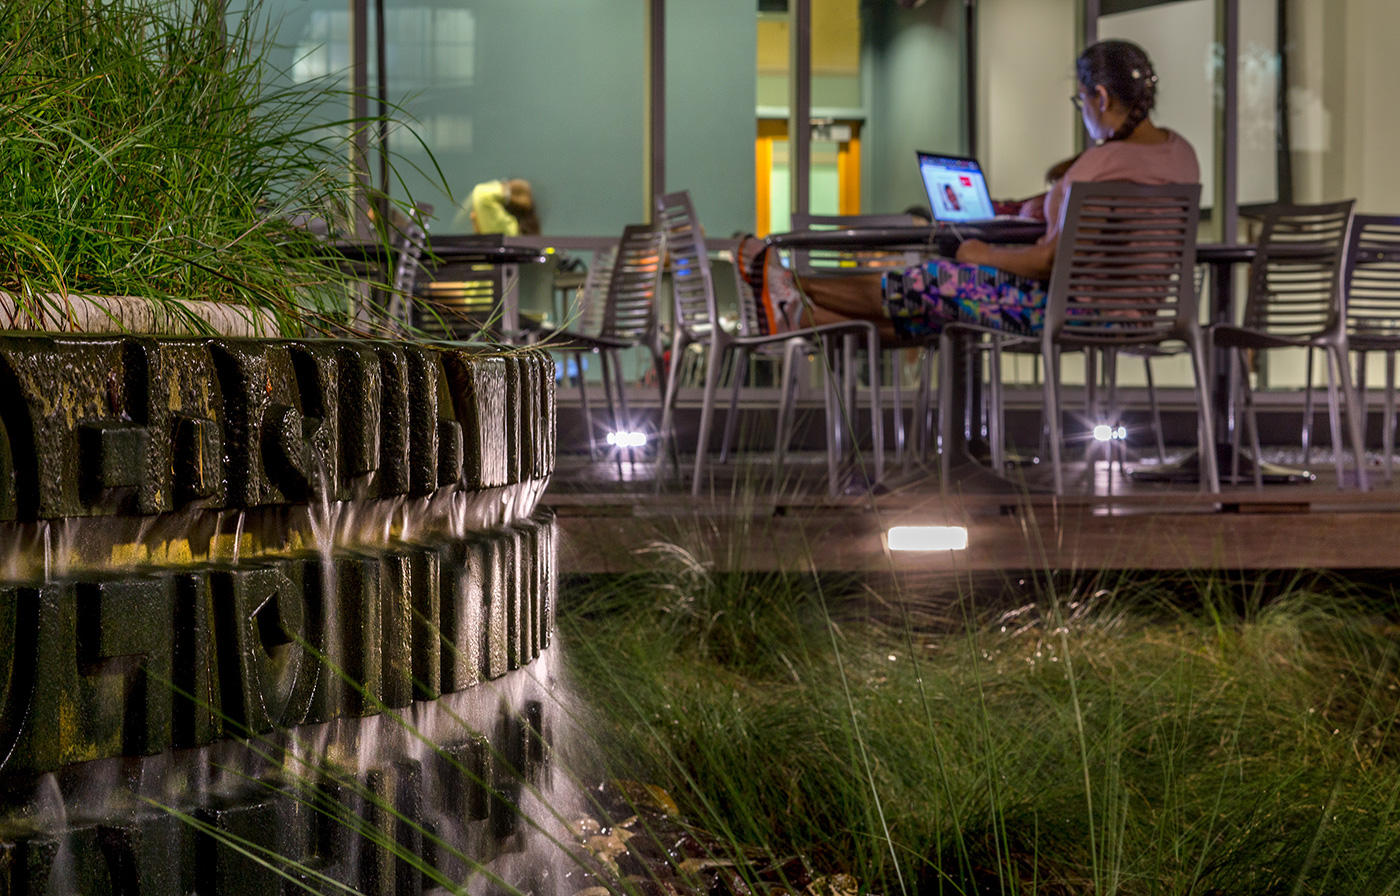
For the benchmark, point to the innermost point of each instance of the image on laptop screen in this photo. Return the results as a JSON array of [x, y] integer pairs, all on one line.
[[957, 191]]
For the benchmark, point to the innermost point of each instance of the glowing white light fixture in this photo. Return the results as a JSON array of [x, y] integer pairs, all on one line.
[[627, 439], [1105, 433], [927, 538]]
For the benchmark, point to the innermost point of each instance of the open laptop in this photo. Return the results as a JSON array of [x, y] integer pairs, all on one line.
[[957, 190]]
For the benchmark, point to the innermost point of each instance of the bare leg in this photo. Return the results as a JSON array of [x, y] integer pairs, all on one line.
[[839, 299]]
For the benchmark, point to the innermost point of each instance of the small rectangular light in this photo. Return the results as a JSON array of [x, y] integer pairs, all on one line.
[[927, 538], [627, 439]]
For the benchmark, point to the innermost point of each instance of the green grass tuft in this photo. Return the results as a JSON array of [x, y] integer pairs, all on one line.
[[147, 152], [1158, 737]]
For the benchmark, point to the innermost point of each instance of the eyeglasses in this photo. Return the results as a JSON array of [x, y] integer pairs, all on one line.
[[1078, 100]]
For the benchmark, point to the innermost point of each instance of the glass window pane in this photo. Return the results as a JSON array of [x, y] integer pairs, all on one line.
[[915, 89], [1180, 39], [550, 92], [1025, 54], [894, 74]]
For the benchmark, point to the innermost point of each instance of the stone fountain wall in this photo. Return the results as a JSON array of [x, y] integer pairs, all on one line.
[[273, 614]]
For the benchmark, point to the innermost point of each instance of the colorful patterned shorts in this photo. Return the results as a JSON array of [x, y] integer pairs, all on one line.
[[921, 300]]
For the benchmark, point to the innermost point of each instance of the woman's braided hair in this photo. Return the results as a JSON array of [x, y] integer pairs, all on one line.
[[1123, 69]]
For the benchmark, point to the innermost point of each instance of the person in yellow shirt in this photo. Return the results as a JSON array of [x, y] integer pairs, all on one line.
[[500, 206]]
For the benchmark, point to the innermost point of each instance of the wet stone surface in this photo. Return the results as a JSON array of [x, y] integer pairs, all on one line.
[[134, 426], [266, 611]]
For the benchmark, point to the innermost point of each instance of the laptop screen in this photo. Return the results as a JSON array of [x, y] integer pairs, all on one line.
[[957, 191]]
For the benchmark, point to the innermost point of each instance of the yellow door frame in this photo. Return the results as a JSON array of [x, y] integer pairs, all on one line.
[[771, 130]]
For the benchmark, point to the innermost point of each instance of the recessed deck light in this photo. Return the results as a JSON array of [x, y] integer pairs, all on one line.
[[927, 538]]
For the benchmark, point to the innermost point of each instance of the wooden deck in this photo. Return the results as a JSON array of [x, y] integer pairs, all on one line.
[[610, 513]]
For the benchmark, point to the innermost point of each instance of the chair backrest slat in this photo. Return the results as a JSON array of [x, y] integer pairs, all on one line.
[[630, 309], [1373, 276], [408, 245], [593, 299], [1124, 264], [1295, 281], [692, 286], [461, 301]]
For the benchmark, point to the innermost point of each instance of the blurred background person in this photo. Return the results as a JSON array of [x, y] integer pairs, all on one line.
[[500, 206]]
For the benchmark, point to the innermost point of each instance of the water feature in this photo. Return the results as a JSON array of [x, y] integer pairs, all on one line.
[[275, 617]]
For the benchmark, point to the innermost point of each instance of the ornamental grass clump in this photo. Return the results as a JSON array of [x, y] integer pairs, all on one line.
[[146, 150], [1142, 737]]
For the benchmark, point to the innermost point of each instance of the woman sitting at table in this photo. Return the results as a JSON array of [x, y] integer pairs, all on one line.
[[1117, 89]]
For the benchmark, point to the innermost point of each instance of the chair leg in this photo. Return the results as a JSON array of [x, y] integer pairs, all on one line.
[[669, 443], [1232, 421], [1050, 358], [1308, 409], [1205, 443], [587, 409], [1251, 420], [1354, 419], [605, 367], [831, 390], [995, 410], [714, 369], [1361, 378], [1091, 383], [787, 378], [897, 387], [849, 379], [828, 358], [844, 369], [625, 423], [738, 371], [1360, 382], [1388, 426], [1334, 419], [969, 395], [877, 412], [945, 419], [924, 433], [1110, 377], [1156, 410], [916, 434]]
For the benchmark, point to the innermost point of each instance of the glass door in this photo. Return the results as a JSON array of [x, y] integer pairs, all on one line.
[[834, 180]]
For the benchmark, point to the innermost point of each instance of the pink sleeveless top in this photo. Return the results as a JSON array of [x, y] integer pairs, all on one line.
[[1172, 162]]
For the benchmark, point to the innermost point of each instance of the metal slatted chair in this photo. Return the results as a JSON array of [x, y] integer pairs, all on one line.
[[1122, 280], [588, 318], [1296, 300], [463, 301], [1373, 309], [696, 321], [629, 277], [840, 262], [408, 245]]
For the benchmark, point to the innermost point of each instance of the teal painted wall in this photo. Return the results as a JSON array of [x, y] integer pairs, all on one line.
[[712, 48], [554, 92], [548, 91], [917, 97], [555, 96]]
